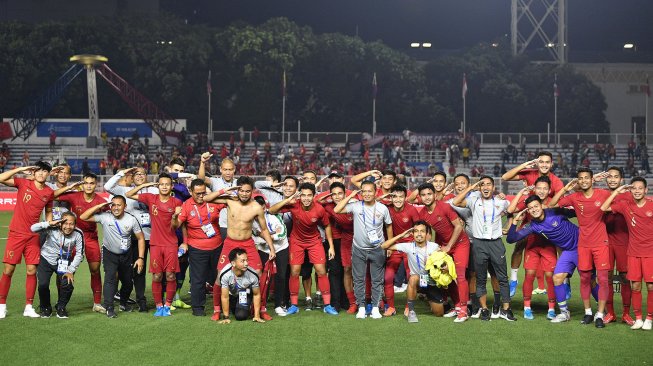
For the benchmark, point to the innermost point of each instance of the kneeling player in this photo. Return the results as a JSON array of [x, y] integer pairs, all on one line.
[[417, 253], [240, 288], [62, 242]]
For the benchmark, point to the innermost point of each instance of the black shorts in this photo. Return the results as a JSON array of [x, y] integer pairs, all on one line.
[[433, 293]]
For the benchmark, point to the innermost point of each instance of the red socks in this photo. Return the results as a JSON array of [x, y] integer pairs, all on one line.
[[96, 287], [30, 289], [527, 289], [540, 279], [626, 293], [171, 288], [637, 304], [217, 297], [351, 298], [157, 290], [5, 284], [293, 288], [550, 291], [325, 288], [585, 284], [604, 287]]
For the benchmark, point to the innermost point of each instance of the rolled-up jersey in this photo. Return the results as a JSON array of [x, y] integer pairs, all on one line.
[[555, 227]]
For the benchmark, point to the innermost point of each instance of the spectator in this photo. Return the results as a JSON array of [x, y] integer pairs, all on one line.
[[53, 139]]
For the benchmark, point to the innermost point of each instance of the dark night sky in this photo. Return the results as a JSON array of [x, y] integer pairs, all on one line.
[[594, 25]]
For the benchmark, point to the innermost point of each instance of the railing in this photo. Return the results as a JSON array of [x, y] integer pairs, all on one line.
[[485, 137]]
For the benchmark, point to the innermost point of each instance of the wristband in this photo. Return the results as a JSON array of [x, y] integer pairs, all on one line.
[[141, 258]]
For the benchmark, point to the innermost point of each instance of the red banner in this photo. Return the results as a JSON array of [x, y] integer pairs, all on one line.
[[8, 200]]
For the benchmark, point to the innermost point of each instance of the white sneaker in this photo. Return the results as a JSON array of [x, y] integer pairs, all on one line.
[[30, 313], [401, 288], [98, 308], [452, 313], [648, 324], [564, 316], [361, 313], [477, 314], [280, 311], [638, 324], [3, 311], [376, 314], [461, 319]]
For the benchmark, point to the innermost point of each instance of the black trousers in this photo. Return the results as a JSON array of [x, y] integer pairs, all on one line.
[[113, 264], [280, 278], [491, 253], [336, 273], [43, 274], [139, 278], [203, 264]]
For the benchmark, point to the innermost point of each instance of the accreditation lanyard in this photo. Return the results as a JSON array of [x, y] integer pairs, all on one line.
[[118, 228], [485, 217], [199, 216], [63, 241], [419, 262], [373, 215]]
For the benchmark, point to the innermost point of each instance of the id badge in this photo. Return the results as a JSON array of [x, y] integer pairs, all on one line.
[[423, 280], [209, 230], [242, 297], [145, 219], [486, 229], [62, 266], [56, 213], [124, 244], [373, 236]]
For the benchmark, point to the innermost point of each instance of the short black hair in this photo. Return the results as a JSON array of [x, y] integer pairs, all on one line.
[[245, 180], [275, 174], [545, 153], [293, 178], [42, 165], [584, 170], [197, 183], [389, 172], [422, 222], [307, 185], [440, 173], [68, 213], [177, 161], [544, 179], [533, 198], [368, 182], [120, 197], [621, 171], [399, 188], [337, 185], [311, 171], [639, 179], [424, 186], [462, 175], [485, 176], [164, 176], [90, 175], [235, 253]]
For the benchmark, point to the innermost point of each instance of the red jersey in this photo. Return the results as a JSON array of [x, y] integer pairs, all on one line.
[[78, 205], [161, 216], [341, 223], [640, 226], [304, 223], [403, 220], [195, 216], [591, 220], [30, 202], [531, 175], [616, 224], [440, 220]]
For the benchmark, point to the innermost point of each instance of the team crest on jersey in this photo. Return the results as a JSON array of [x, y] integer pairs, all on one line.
[[439, 218], [192, 213], [169, 210], [313, 219], [405, 219], [649, 213], [554, 224], [44, 199], [597, 203]]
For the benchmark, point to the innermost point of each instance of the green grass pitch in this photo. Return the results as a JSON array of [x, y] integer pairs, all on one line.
[[306, 338]]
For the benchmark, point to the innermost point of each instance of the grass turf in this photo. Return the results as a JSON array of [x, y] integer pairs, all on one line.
[[308, 337]]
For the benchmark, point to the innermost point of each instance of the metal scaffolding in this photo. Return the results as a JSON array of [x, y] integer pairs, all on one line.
[[540, 20]]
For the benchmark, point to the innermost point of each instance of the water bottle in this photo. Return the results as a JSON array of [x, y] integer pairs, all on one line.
[[181, 252]]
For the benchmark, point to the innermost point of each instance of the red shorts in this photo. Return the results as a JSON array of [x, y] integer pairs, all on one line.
[[540, 257], [460, 255], [22, 244], [345, 252], [92, 247], [618, 254], [594, 258], [247, 245], [640, 268], [164, 259], [315, 253]]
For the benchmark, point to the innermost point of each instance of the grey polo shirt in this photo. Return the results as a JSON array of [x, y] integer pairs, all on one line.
[[117, 231], [366, 219], [486, 215]]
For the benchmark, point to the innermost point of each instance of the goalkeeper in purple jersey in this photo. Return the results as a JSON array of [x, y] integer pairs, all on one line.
[[554, 225]]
